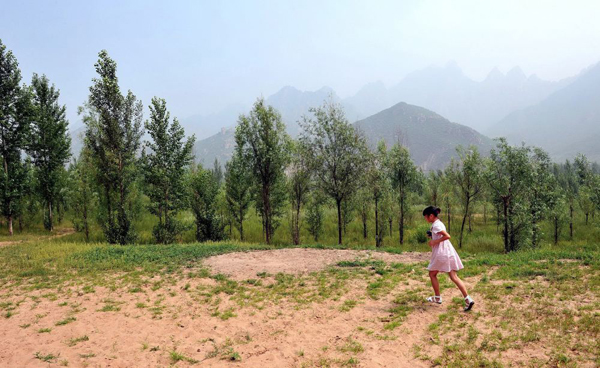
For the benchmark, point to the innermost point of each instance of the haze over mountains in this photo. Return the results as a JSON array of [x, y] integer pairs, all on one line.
[[520, 107], [565, 123]]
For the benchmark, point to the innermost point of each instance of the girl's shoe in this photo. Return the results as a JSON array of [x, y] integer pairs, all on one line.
[[435, 299], [469, 302]]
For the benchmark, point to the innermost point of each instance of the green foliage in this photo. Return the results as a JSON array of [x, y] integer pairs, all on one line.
[[467, 175], [299, 184], [314, 215], [264, 147], [82, 195], [238, 190], [204, 190], [113, 132], [335, 153], [404, 178], [49, 144], [164, 161], [15, 121], [509, 175]]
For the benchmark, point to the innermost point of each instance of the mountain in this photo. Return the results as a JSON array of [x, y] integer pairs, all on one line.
[[293, 103], [430, 138], [204, 126], [565, 123], [449, 92]]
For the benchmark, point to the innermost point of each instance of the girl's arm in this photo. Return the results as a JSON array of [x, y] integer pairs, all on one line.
[[445, 236]]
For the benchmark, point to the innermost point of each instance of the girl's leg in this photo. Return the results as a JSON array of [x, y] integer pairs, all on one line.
[[434, 282], [458, 282]]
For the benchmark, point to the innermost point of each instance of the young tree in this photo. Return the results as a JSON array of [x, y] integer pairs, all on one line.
[[113, 134], [467, 175], [568, 179], [299, 185], [217, 171], [164, 161], [204, 191], [50, 143], [264, 147], [82, 195], [238, 193], [544, 193], [378, 185], [15, 118], [509, 176], [314, 215], [336, 154], [404, 178], [364, 208], [434, 183]]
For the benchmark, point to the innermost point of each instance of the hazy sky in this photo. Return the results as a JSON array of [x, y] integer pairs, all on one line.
[[203, 55]]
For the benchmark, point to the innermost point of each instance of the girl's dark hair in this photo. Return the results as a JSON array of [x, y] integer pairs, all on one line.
[[431, 210]]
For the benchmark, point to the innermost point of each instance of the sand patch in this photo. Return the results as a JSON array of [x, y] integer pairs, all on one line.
[[245, 265]]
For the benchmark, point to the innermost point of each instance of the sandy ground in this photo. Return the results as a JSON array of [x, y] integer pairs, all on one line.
[[57, 234], [284, 334], [297, 260]]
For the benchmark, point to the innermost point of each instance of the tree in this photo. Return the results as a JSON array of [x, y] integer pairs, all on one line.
[[336, 154], [217, 171], [434, 183], [364, 208], [404, 178], [15, 119], [378, 185], [545, 195], [264, 147], [509, 176], [585, 195], [50, 143], [113, 133], [299, 185], [82, 195], [204, 190], [314, 215], [164, 162], [238, 194], [466, 173], [568, 178]]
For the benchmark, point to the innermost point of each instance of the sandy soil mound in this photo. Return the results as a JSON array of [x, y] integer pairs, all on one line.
[[245, 265]]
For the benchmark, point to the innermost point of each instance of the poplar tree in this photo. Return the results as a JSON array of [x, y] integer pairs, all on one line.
[[404, 178], [164, 161], [204, 191], [15, 118], [509, 176], [264, 147], [336, 154], [50, 144], [82, 193], [238, 193], [466, 173], [113, 134], [299, 185]]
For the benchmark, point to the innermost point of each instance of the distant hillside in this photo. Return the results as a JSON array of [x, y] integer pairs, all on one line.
[[449, 92], [430, 138], [565, 123], [293, 103]]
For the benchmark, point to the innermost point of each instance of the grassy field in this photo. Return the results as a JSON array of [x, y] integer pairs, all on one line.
[[535, 307]]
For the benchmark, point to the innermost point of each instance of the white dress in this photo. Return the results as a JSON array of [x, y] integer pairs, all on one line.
[[443, 256]]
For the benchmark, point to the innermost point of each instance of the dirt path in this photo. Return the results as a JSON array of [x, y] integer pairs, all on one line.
[[245, 265]]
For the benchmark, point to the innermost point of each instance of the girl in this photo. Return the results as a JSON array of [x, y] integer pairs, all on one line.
[[443, 258]]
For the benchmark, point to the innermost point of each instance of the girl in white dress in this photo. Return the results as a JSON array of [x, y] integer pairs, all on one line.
[[443, 258]]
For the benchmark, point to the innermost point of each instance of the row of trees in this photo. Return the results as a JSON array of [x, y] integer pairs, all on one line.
[[117, 173]]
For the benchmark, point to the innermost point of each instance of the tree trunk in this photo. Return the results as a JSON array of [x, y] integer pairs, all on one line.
[[10, 225], [484, 214], [339, 211], [50, 216], [401, 222], [571, 221], [586, 218], [377, 240], [462, 228], [505, 233]]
